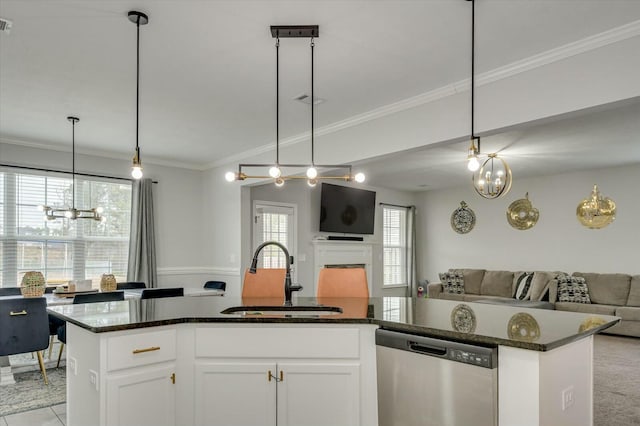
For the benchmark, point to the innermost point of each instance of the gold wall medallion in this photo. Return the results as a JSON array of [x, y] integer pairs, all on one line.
[[463, 319], [596, 211], [463, 219], [521, 214], [524, 327]]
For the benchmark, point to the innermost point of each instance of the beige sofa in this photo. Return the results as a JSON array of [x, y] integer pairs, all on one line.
[[611, 294]]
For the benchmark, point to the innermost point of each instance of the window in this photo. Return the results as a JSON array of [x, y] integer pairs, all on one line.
[[274, 222], [62, 249], [394, 235]]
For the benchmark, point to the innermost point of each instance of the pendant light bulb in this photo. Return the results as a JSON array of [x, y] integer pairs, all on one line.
[[230, 176], [136, 172], [312, 172], [359, 177], [275, 172], [279, 182], [312, 182], [473, 164]]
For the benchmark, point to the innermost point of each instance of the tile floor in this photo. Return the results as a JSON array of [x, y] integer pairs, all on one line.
[[48, 416]]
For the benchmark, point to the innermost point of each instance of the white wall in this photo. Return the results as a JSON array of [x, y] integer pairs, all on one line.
[[308, 202], [177, 202], [557, 242]]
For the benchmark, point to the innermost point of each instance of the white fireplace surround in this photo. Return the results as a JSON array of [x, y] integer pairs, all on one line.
[[342, 253]]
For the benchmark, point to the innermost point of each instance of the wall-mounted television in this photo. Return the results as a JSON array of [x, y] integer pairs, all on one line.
[[347, 210]]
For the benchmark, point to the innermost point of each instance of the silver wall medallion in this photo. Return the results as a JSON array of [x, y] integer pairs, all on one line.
[[463, 219]]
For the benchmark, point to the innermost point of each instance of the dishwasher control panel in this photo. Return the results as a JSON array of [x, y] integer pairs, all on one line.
[[469, 357]]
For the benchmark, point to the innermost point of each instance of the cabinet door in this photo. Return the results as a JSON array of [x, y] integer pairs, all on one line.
[[235, 394], [141, 396], [319, 394]]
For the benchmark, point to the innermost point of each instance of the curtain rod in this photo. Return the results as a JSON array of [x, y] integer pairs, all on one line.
[[397, 205], [40, 169]]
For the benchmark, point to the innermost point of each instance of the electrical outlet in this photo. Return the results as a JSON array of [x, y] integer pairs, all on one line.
[[93, 378], [72, 365], [568, 398]]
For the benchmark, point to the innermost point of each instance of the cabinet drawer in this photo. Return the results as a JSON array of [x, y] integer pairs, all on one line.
[[249, 342], [133, 350]]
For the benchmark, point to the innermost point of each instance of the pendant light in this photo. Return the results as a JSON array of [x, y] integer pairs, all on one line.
[[275, 170], [137, 18], [52, 213], [492, 178]]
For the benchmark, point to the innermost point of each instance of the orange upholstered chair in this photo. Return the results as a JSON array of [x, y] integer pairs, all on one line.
[[342, 282], [265, 283]]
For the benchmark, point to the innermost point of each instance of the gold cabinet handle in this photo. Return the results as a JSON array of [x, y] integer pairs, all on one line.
[[173, 378], [151, 349], [270, 376], [13, 314], [281, 376]]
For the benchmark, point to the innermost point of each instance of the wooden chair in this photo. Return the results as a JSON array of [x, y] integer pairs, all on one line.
[[342, 282], [24, 327], [265, 283]]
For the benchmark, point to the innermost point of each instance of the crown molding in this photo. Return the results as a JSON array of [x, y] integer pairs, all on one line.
[[587, 44], [199, 270]]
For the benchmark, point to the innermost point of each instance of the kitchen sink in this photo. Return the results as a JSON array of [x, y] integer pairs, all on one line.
[[297, 311]]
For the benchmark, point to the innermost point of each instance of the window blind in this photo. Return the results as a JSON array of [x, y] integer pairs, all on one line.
[[394, 238], [62, 249]]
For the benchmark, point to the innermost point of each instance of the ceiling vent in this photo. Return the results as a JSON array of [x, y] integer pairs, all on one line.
[[306, 99], [5, 25]]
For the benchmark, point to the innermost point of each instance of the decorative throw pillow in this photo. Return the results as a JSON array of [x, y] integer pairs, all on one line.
[[572, 289], [523, 285], [452, 282]]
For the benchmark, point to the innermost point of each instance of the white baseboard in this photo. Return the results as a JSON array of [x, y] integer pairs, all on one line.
[[199, 270]]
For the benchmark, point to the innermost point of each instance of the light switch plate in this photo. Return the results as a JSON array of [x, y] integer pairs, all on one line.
[[93, 378], [72, 365]]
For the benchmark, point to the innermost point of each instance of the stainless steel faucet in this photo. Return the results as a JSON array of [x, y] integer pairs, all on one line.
[[288, 288]]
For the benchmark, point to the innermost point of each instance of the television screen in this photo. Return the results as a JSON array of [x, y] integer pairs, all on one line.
[[347, 210]]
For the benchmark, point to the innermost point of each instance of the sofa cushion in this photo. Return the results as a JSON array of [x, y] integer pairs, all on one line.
[[628, 313], [607, 289], [452, 282], [540, 284], [586, 308], [634, 291], [497, 283], [472, 279], [572, 289], [522, 284]]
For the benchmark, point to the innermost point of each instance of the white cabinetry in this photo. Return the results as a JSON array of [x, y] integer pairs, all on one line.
[[223, 374]]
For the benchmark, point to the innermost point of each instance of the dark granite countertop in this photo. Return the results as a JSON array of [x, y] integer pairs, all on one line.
[[476, 323]]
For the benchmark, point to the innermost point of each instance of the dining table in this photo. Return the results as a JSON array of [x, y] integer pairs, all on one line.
[[53, 299]]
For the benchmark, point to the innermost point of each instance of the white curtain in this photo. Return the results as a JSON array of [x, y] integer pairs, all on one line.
[[142, 244]]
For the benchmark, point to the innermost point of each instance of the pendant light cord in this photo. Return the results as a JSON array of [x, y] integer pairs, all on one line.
[[312, 102], [473, 71], [73, 163], [277, 100], [137, 85]]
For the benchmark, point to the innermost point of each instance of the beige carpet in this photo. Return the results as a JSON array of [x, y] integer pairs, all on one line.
[[616, 392]]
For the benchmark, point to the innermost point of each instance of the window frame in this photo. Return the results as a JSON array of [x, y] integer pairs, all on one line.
[[403, 247]]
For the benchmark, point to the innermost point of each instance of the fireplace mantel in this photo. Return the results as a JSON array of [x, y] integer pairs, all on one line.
[[343, 253]]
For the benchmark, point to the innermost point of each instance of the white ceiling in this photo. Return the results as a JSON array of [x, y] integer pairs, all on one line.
[[208, 67]]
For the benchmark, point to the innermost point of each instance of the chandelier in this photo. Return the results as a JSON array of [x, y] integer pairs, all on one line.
[[492, 178], [275, 170], [72, 213]]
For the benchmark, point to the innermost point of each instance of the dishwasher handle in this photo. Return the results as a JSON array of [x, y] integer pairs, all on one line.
[[426, 349]]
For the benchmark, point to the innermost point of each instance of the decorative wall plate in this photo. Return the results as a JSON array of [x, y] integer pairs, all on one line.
[[521, 214], [524, 327], [596, 211], [463, 219], [591, 322], [463, 319]]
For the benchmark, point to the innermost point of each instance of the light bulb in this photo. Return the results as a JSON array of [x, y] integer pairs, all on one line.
[[68, 214], [230, 176], [312, 173], [45, 217], [99, 210], [103, 219], [275, 172], [500, 173], [136, 172], [279, 182], [312, 182], [473, 164], [359, 177], [41, 208]]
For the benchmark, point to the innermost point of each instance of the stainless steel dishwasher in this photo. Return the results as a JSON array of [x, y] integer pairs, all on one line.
[[431, 382]]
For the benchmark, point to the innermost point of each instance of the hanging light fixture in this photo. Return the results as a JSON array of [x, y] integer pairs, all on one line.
[[492, 178], [137, 18], [52, 213], [311, 174]]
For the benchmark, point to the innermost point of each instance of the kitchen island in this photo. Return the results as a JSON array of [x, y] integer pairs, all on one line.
[[180, 361]]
